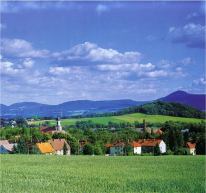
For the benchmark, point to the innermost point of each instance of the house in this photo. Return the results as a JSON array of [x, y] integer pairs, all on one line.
[[116, 148], [54, 129], [6, 147], [45, 148], [148, 145], [59, 146], [191, 147]]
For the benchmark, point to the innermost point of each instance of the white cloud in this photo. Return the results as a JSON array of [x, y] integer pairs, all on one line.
[[200, 82], [101, 8], [21, 48], [187, 61], [192, 35], [134, 67], [92, 52], [28, 63], [8, 68], [156, 73], [59, 70]]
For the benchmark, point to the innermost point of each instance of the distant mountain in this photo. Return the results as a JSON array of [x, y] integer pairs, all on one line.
[[194, 100], [71, 108], [85, 107]]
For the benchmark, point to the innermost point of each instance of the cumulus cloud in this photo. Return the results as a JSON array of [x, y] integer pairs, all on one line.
[[156, 73], [59, 70], [192, 35], [92, 52], [7, 68], [201, 81], [28, 63], [21, 48], [126, 67]]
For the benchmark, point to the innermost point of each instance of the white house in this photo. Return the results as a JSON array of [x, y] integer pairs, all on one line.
[[191, 147], [148, 145]]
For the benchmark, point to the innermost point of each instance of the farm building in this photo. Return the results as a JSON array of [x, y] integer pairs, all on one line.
[[45, 148], [148, 145], [116, 148], [191, 147], [6, 147], [60, 146]]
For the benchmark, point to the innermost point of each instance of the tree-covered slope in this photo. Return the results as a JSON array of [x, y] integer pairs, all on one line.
[[163, 108]]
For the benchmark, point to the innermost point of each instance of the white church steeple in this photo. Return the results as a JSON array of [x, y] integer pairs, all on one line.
[[58, 126]]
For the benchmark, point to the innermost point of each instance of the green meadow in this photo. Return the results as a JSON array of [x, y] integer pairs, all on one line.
[[101, 174], [126, 118]]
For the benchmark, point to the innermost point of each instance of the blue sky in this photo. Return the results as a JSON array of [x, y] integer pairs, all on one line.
[[52, 52]]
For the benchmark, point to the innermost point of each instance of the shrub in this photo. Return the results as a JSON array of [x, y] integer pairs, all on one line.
[[88, 149], [182, 151]]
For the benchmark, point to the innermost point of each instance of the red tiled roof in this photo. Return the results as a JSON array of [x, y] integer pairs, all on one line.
[[58, 144], [146, 142], [191, 145]]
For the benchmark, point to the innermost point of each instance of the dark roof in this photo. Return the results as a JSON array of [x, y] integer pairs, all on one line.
[[47, 129]]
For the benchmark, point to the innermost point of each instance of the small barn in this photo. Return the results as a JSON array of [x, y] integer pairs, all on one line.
[[60, 146], [6, 147]]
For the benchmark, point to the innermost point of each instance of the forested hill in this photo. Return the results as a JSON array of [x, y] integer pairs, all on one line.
[[163, 108]]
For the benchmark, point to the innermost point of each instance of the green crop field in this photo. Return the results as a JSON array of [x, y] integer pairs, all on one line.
[[126, 118], [101, 174]]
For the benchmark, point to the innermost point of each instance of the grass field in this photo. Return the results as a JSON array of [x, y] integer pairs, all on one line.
[[93, 174], [127, 118]]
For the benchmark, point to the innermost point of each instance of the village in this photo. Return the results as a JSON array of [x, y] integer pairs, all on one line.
[[62, 146]]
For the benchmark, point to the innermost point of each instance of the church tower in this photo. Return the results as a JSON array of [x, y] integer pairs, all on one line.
[[58, 126]]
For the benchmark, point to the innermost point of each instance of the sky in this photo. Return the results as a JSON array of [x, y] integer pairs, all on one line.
[[52, 52]]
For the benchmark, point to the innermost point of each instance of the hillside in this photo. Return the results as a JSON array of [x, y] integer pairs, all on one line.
[[165, 108], [124, 118], [194, 100]]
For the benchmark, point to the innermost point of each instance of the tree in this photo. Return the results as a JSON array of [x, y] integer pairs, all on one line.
[[98, 150], [21, 147], [65, 149], [200, 145], [157, 150], [88, 149], [128, 150]]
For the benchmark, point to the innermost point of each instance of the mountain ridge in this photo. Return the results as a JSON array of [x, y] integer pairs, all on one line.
[[83, 107]]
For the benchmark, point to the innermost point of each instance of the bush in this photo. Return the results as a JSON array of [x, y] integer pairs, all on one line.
[[169, 152], [98, 150], [182, 151], [88, 149]]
